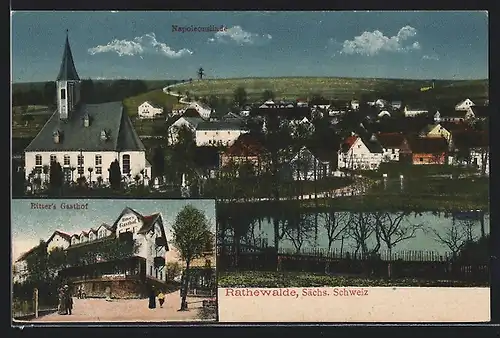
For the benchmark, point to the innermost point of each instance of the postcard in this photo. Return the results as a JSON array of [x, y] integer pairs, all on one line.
[[347, 154], [98, 261]]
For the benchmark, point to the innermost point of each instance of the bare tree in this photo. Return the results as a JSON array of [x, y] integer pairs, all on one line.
[[335, 224], [455, 236], [361, 228], [298, 229]]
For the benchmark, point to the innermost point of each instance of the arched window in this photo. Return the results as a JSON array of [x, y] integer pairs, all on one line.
[[126, 164]]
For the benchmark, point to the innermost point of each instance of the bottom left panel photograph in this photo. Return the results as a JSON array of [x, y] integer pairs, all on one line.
[[96, 260]]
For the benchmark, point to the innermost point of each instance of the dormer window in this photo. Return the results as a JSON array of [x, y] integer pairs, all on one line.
[[57, 136], [104, 135], [86, 120]]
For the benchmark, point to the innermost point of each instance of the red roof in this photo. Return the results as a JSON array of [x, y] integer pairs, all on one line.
[[348, 142], [246, 145]]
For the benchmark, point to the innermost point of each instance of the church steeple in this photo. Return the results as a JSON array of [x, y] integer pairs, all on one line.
[[68, 84], [67, 70]]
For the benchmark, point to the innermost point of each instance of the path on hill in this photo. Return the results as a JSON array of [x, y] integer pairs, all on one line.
[[131, 310], [182, 99]]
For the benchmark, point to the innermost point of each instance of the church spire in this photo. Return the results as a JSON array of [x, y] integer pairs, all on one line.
[[67, 71]]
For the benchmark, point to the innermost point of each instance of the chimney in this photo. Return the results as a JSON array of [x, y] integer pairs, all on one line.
[[86, 120]]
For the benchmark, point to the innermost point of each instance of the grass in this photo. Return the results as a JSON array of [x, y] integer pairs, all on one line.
[[255, 188], [26, 86], [330, 87], [396, 169], [156, 97], [263, 279]]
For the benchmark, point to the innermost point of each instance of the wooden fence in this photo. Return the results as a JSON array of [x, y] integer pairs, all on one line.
[[403, 264]]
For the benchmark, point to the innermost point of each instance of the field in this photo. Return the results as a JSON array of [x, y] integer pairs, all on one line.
[[156, 97], [331, 87]]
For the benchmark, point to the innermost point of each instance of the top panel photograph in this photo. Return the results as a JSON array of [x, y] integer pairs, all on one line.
[[354, 110]]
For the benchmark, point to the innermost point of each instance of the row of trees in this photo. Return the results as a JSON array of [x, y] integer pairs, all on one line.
[[367, 231], [91, 91]]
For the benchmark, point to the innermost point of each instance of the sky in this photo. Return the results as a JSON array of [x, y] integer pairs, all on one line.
[[29, 225], [144, 45]]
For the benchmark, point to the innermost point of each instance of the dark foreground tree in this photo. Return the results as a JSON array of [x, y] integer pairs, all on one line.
[[115, 175], [240, 97], [193, 238], [56, 177]]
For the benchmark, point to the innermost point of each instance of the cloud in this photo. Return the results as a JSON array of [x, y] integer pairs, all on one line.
[[241, 37], [372, 43], [430, 57], [21, 246], [146, 44]]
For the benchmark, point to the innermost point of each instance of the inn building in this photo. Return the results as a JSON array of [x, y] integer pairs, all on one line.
[[85, 138], [92, 260]]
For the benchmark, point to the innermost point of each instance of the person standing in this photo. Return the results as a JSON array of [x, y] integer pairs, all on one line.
[[61, 308], [152, 299], [68, 299], [161, 298]]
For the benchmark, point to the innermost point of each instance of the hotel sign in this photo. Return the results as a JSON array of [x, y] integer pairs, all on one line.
[[128, 220]]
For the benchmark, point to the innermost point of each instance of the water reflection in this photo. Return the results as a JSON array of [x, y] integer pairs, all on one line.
[[404, 235]]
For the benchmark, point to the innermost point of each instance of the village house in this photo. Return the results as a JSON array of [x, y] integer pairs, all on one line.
[[190, 123], [354, 104], [148, 110], [319, 103], [394, 145], [248, 148], [356, 153], [414, 111], [312, 163], [298, 126], [218, 133], [381, 103], [127, 277], [383, 113], [450, 114], [428, 150], [85, 137], [477, 113], [203, 110], [472, 149], [464, 105], [302, 103], [436, 130]]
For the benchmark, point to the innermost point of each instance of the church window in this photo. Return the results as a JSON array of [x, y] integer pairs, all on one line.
[[67, 160], [126, 164], [38, 160], [63, 94]]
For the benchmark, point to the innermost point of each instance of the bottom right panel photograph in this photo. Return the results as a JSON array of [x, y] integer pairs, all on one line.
[[316, 264]]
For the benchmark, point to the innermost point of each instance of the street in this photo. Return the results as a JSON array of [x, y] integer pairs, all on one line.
[[129, 310]]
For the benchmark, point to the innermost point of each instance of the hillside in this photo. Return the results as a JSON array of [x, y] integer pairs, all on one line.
[[156, 96], [332, 87]]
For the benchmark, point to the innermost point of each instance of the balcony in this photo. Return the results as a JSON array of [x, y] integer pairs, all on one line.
[[160, 241], [159, 262]]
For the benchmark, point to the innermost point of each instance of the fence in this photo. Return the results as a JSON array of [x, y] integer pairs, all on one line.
[[402, 264], [24, 309]]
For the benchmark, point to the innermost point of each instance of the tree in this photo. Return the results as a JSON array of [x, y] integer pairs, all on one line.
[[213, 101], [335, 224], [158, 162], [37, 264], [46, 170], [361, 228], [56, 176], [49, 93], [394, 228], [455, 236], [201, 73], [240, 97], [90, 170], [192, 236], [115, 175], [173, 269], [267, 95]]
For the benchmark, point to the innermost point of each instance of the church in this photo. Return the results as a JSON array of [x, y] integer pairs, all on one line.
[[85, 138]]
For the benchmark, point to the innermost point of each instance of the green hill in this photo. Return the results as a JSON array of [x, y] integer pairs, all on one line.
[[157, 97], [331, 87]]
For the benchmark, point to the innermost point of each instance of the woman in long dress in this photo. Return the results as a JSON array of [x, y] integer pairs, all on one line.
[[62, 302], [152, 298]]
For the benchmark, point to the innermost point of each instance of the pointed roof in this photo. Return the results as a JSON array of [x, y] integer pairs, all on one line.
[[67, 70]]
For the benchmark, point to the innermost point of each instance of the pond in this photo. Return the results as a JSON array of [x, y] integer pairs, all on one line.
[[401, 234]]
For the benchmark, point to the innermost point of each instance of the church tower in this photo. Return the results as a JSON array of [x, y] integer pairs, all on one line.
[[68, 84]]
